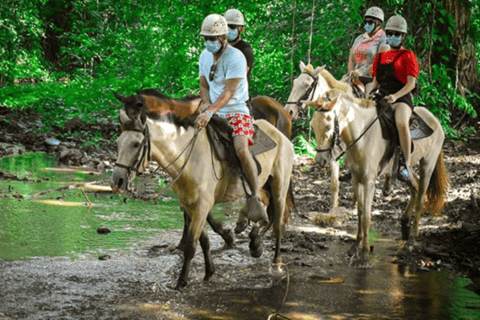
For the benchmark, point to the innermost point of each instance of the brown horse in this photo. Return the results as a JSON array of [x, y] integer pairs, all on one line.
[[263, 108], [163, 137]]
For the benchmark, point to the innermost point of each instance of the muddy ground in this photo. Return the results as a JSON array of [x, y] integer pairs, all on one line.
[[138, 284]]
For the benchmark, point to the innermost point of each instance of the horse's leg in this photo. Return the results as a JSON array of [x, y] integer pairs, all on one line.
[[227, 234], [197, 225], [207, 254], [357, 192], [391, 175], [425, 176], [186, 226], [334, 174], [407, 215], [367, 221]]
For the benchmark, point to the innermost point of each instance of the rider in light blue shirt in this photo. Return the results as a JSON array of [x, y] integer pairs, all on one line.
[[224, 92], [231, 64]]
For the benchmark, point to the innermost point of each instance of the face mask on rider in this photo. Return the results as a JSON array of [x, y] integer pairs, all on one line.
[[369, 27], [232, 34], [394, 42], [213, 46]]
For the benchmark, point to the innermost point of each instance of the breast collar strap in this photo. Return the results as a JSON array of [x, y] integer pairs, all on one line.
[[336, 135]]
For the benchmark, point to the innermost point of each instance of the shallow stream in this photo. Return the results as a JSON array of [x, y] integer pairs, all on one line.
[[49, 266]]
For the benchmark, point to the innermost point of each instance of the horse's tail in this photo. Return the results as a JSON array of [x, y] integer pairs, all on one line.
[[438, 186]]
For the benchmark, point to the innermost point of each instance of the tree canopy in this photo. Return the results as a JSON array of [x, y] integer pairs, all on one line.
[[72, 55]]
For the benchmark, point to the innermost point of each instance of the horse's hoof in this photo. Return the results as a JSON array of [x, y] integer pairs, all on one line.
[[180, 285], [256, 251], [229, 238], [240, 227], [352, 251]]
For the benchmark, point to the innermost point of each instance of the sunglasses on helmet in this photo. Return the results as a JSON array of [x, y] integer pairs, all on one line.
[[393, 33], [369, 21], [213, 69]]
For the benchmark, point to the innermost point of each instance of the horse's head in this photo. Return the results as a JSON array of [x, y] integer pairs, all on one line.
[[326, 128], [308, 86], [133, 144]]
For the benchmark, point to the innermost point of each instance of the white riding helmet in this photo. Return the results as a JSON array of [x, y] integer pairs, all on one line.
[[214, 25], [233, 16], [375, 12], [396, 23]]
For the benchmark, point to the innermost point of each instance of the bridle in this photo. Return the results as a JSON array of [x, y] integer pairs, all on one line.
[[336, 132], [305, 97], [144, 149], [336, 135]]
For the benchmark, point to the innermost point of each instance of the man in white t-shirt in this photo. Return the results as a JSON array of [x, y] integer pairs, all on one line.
[[224, 92]]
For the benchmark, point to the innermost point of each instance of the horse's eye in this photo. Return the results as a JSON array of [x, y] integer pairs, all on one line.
[[136, 145]]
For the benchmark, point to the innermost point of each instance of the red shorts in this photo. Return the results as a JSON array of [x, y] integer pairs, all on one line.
[[241, 125]]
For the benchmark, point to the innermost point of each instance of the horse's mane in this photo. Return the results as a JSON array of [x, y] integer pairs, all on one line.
[[364, 103], [157, 94], [332, 82], [174, 119]]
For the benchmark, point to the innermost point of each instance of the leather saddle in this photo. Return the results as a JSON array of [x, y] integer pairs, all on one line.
[[419, 129], [218, 132]]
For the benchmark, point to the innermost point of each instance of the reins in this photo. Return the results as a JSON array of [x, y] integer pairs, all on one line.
[[337, 130], [364, 132]]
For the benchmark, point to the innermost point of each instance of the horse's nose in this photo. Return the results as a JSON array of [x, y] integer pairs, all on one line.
[[116, 184]]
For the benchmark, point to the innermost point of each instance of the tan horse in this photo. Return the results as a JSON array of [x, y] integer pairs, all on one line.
[[196, 172], [368, 156], [263, 108]]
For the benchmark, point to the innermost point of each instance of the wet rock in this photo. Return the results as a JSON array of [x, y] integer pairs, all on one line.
[[103, 231], [104, 257], [73, 124], [52, 142]]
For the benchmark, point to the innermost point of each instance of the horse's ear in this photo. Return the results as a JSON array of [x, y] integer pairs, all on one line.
[[317, 71], [329, 106], [123, 117], [119, 97], [302, 66]]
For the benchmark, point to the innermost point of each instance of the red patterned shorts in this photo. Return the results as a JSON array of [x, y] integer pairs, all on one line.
[[241, 125]]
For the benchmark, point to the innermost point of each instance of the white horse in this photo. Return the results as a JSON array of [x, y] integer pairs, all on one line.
[[367, 155], [311, 84]]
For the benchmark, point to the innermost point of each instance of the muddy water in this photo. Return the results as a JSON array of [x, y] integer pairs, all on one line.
[[49, 266]]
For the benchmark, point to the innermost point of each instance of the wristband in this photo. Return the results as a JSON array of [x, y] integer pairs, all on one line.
[[208, 113]]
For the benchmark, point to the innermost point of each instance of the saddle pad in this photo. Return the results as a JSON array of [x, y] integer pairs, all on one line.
[[261, 142], [419, 129]]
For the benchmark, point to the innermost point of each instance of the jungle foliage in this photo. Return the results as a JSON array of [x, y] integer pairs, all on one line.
[[66, 58]]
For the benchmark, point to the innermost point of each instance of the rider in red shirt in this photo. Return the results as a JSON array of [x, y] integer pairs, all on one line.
[[395, 71]]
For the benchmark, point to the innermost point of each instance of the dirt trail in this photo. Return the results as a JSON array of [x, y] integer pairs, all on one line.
[[137, 284]]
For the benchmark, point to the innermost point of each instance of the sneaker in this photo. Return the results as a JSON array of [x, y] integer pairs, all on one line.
[[256, 210], [404, 174]]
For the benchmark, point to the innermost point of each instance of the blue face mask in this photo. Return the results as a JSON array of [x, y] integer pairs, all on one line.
[[213, 46], [394, 41], [232, 34], [369, 27]]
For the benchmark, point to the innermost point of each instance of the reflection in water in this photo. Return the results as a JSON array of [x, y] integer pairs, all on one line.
[[37, 228]]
